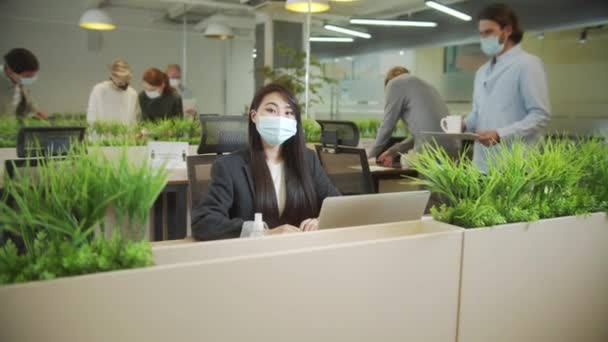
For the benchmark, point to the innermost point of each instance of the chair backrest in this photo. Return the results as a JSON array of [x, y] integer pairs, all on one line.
[[347, 168], [345, 133], [39, 141], [223, 134], [199, 176]]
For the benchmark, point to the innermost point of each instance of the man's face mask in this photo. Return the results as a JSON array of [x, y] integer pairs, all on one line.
[[491, 46], [25, 80]]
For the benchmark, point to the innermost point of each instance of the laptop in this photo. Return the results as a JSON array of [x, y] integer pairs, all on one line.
[[358, 210]]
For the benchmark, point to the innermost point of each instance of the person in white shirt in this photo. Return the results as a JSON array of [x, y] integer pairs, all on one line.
[[174, 72], [114, 100]]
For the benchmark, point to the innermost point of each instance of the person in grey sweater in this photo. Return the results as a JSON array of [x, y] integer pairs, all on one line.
[[420, 106]]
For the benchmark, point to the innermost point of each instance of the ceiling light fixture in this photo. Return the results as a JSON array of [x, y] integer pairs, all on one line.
[[332, 39], [445, 9], [301, 6], [393, 23], [348, 31], [218, 31], [96, 19]]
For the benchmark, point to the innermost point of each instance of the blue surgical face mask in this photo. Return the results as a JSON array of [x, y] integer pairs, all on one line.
[[491, 46], [26, 81], [275, 130]]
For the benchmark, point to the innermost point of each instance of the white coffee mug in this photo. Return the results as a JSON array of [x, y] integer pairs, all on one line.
[[452, 124]]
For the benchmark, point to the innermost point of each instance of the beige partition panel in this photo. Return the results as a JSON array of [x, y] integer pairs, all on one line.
[[171, 253], [546, 281], [403, 288]]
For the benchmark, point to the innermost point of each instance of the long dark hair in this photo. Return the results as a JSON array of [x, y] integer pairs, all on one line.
[[301, 198], [503, 15]]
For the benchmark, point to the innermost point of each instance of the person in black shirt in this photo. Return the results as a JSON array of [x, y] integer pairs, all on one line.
[[159, 100]]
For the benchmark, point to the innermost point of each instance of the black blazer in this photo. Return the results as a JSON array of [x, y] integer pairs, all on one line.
[[230, 202]]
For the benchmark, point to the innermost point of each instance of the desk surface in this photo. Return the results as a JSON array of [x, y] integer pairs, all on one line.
[[178, 177]]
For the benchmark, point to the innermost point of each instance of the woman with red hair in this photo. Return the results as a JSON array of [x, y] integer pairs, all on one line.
[[159, 100]]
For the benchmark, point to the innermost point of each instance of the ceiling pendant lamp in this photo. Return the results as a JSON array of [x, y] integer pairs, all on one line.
[[301, 6], [219, 31], [96, 19]]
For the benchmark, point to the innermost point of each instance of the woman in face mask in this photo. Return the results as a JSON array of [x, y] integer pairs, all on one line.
[[113, 100], [159, 100], [276, 175]]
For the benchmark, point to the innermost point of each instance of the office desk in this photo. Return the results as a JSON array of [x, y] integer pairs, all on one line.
[[381, 173], [170, 211]]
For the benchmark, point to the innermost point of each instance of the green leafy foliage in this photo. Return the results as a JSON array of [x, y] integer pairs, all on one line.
[[292, 75], [54, 259], [557, 177], [175, 129], [59, 208]]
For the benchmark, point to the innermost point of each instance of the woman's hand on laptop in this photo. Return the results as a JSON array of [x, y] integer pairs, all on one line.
[[286, 228], [309, 225]]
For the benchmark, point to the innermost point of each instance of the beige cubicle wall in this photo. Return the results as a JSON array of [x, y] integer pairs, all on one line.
[[392, 282], [175, 252], [545, 281]]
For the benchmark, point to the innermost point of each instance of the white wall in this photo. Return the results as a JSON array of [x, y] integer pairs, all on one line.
[[70, 67]]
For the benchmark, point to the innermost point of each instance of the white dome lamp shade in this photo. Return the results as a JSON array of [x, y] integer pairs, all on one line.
[[218, 31], [316, 6], [96, 19]]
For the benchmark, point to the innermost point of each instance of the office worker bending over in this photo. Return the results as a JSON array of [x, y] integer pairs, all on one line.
[[275, 175]]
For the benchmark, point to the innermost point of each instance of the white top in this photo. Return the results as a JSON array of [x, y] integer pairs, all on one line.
[[278, 179], [109, 104]]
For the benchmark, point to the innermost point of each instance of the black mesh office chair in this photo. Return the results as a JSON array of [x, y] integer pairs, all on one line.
[[39, 141], [222, 134], [347, 168], [335, 133], [199, 176]]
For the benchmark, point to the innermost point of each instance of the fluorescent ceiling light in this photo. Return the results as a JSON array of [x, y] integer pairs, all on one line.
[[96, 19], [393, 22], [301, 6], [447, 10], [347, 31], [332, 39]]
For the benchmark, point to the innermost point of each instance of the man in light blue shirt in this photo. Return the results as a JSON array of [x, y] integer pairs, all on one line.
[[510, 96]]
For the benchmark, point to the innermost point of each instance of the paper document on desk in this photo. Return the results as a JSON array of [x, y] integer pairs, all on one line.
[[372, 168], [171, 155]]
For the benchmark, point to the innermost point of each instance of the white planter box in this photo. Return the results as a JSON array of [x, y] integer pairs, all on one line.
[[544, 281], [391, 282]]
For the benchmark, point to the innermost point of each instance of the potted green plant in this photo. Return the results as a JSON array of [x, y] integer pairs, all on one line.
[[537, 232], [292, 75], [56, 210]]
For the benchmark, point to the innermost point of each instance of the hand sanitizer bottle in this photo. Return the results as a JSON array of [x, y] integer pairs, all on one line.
[[258, 226]]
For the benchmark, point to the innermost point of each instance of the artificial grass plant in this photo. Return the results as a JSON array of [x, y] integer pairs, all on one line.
[[555, 178], [57, 211]]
